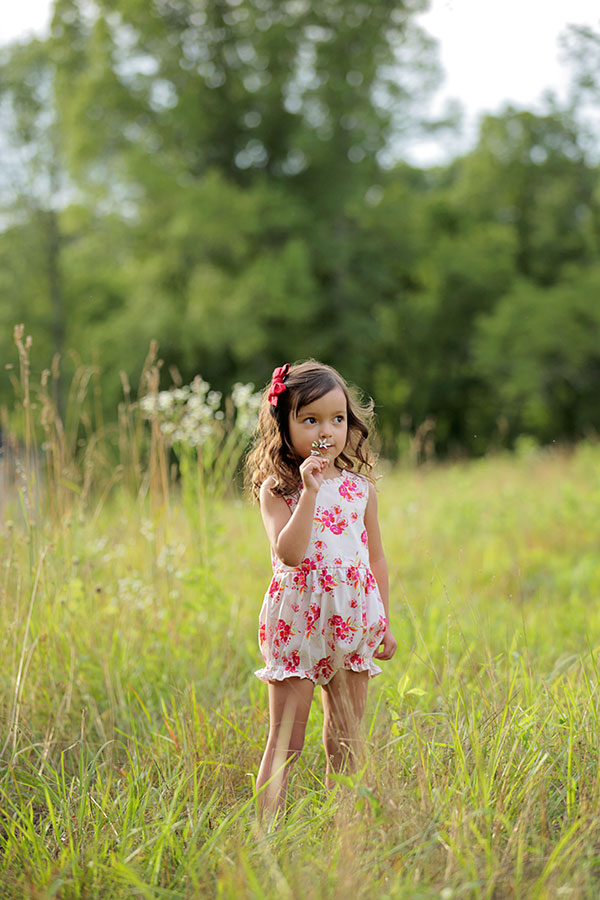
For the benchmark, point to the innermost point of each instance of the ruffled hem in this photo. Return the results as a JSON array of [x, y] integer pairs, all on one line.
[[279, 673]]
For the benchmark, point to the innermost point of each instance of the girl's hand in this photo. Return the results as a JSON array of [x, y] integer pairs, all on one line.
[[387, 648], [311, 472]]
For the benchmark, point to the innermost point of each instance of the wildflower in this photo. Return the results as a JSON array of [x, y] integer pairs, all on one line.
[[148, 404], [165, 401]]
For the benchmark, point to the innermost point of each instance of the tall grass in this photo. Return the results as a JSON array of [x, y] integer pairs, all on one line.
[[132, 725]]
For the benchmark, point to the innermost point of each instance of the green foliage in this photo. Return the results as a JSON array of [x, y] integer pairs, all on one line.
[[539, 352], [530, 172], [224, 178], [32, 177]]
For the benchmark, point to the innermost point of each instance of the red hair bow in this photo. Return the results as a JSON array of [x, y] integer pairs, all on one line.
[[277, 385]]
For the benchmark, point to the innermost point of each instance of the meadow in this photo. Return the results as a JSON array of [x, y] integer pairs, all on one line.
[[132, 723]]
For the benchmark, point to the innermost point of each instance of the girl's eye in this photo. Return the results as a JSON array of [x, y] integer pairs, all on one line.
[[310, 420], [339, 419]]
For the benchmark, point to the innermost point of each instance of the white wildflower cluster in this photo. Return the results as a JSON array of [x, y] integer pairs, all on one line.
[[247, 404], [170, 558], [192, 414], [135, 593]]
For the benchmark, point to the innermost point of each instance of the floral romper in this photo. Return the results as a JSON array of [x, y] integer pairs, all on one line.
[[325, 614]]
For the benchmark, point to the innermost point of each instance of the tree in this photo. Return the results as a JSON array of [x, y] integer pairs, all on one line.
[[539, 352], [239, 140], [33, 188], [529, 172]]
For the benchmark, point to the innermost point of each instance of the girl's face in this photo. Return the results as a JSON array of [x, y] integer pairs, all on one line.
[[324, 420]]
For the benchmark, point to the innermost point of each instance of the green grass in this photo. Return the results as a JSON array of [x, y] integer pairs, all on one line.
[[133, 726]]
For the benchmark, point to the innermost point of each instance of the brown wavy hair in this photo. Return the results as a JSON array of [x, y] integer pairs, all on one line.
[[272, 453]]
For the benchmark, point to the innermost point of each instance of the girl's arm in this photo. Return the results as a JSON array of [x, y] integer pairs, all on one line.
[[289, 534], [378, 564]]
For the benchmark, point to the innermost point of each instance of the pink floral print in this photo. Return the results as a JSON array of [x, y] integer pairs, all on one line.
[[350, 489], [354, 659], [377, 633], [292, 661], [275, 590], [353, 576], [343, 629], [333, 519], [311, 618], [302, 572], [323, 668], [284, 632], [327, 581], [370, 583]]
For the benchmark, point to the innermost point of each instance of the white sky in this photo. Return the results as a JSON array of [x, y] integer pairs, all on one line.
[[23, 17], [491, 50], [494, 51]]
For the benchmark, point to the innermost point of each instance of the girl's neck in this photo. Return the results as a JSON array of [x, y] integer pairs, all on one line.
[[330, 474]]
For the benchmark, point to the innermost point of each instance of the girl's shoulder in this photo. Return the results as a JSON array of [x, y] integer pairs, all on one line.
[[269, 494]]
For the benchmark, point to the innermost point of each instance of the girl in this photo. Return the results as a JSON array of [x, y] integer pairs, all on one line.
[[325, 613]]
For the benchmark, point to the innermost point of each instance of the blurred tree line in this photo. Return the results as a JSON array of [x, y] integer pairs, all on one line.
[[223, 176]]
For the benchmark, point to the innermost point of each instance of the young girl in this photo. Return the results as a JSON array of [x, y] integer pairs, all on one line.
[[325, 617]]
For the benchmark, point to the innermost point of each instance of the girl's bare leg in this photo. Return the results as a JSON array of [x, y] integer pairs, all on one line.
[[289, 706], [344, 699]]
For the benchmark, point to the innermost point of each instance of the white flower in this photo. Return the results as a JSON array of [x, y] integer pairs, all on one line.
[[189, 424], [195, 407], [241, 393], [147, 529], [165, 401], [192, 415], [247, 404], [148, 404], [199, 386]]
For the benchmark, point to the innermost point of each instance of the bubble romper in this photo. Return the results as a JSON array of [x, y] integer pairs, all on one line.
[[327, 613]]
